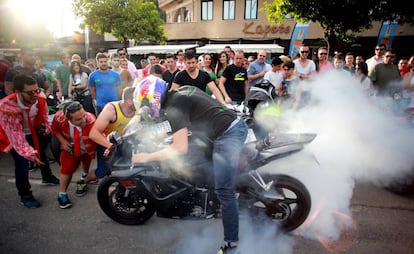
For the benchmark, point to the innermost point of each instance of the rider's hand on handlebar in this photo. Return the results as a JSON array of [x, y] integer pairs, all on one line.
[[228, 100], [109, 150]]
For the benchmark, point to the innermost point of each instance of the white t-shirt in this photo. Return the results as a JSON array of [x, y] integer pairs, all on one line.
[[304, 70], [77, 79], [371, 62], [275, 78]]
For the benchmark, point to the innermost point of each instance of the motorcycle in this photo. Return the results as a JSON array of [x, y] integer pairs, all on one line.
[[132, 194]]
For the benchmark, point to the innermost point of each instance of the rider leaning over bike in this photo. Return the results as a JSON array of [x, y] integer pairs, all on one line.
[[189, 108]]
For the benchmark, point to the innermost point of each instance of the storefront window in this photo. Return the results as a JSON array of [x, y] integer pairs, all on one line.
[[206, 9], [228, 9], [250, 9]]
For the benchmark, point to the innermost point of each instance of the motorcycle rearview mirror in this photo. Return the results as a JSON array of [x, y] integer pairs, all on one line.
[[115, 138]]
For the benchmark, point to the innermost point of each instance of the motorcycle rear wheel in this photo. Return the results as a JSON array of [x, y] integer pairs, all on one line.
[[122, 204], [403, 187], [287, 203]]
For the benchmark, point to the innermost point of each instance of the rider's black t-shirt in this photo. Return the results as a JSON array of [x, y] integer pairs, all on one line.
[[183, 79], [189, 107]]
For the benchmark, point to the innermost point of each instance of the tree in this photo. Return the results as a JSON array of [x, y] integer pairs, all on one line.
[[125, 19], [340, 19]]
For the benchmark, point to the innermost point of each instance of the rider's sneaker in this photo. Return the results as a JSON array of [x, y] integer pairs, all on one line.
[[81, 188], [229, 248], [29, 201], [51, 180], [64, 201]]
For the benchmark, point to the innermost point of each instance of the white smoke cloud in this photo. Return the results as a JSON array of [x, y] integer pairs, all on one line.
[[358, 140]]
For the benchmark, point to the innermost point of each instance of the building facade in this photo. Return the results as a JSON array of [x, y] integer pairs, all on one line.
[[242, 21]]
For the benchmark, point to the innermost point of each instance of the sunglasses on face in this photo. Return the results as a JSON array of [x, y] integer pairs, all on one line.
[[33, 92], [323, 53], [304, 52]]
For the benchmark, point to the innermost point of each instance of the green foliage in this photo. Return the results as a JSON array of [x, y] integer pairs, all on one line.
[[340, 19], [125, 19]]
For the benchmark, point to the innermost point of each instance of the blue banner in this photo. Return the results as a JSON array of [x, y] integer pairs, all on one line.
[[387, 32], [298, 35]]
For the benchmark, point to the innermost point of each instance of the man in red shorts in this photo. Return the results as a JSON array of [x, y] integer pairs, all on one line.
[[71, 126]]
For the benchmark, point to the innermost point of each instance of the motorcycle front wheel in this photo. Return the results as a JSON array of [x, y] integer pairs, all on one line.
[[123, 204], [287, 202]]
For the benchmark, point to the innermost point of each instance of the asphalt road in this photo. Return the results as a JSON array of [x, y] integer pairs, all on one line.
[[384, 224]]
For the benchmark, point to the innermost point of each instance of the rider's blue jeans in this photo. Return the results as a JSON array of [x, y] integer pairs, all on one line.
[[101, 169], [226, 157]]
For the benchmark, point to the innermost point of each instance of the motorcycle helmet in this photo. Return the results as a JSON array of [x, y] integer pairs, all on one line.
[[149, 92]]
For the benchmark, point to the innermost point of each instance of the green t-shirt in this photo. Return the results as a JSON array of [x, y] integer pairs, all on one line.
[[62, 74], [50, 79]]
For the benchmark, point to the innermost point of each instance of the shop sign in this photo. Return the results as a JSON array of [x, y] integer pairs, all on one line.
[[251, 28]]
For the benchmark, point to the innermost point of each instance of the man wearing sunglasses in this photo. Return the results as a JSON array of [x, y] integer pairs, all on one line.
[[385, 76], [322, 63], [378, 57], [25, 132], [123, 54], [304, 67]]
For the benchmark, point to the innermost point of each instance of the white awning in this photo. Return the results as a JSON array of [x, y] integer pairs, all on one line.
[[247, 48], [159, 49]]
